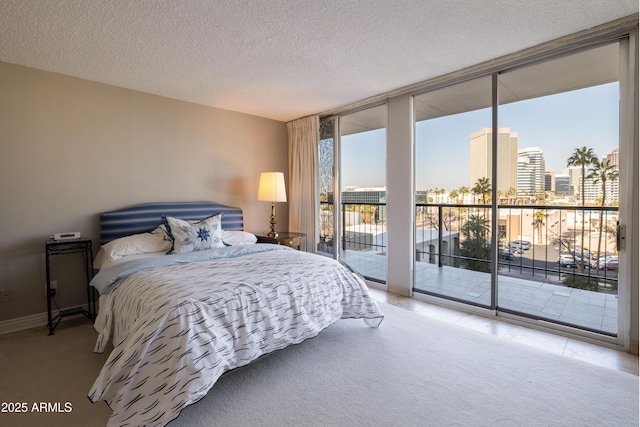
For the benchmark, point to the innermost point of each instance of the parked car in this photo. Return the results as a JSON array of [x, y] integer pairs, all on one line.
[[605, 258], [570, 261], [585, 264], [524, 244], [609, 265], [515, 247], [507, 254], [567, 261], [580, 251]]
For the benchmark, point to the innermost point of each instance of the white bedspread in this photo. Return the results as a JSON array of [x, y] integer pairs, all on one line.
[[178, 328]]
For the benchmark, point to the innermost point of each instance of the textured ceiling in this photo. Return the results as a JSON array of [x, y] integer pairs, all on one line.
[[281, 59]]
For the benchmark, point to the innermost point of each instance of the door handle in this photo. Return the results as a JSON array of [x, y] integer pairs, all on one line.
[[619, 236]]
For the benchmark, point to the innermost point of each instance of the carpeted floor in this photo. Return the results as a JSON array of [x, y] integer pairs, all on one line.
[[412, 371]]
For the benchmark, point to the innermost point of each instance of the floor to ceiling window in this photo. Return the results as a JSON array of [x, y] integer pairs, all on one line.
[[452, 192], [562, 262], [520, 215], [512, 187], [362, 223]]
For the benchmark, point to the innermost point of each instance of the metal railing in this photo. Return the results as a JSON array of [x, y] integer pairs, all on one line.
[[363, 227], [572, 245]]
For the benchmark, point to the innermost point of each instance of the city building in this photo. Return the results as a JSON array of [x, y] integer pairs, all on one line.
[[531, 177], [575, 177], [562, 185], [593, 191], [481, 155], [362, 195], [549, 180], [614, 158]]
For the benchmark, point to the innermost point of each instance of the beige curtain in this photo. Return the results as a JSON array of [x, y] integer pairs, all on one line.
[[304, 137]]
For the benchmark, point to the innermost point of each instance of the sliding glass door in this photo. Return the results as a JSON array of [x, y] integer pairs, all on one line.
[[517, 190], [363, 213], [453, 165], [563, 262]]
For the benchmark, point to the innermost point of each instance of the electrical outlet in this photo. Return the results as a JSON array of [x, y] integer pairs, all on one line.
[[53, 288], [5, 295]]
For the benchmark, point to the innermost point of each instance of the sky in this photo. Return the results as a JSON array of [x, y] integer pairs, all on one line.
[[558, 124]]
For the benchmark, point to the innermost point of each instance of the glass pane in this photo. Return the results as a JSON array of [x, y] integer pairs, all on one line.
[[326, 184], [363, 196], [453, 160], [557, 229]]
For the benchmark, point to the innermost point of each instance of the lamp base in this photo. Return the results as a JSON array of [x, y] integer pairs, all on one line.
[[273, 233]]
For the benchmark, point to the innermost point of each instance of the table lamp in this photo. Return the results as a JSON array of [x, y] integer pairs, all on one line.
[[271, 189]]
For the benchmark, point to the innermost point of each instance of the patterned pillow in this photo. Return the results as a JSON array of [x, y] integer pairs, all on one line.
[[198, 236]]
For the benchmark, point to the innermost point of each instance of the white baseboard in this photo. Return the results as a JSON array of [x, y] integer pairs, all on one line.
[[33, 321]]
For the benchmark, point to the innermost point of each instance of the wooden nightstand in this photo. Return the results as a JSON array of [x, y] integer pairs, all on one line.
[[285, 238]]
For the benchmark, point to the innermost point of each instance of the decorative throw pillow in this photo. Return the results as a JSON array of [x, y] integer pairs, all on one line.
[[198, 236]]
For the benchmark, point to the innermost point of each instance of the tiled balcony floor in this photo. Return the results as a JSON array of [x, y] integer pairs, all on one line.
[[539, 297]]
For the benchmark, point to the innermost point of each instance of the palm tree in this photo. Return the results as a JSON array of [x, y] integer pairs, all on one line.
[[429, 200], [538, 223], [453, 194], [483, 188], [463, 192], [602, 171], [475, 246], [512, 194], [582, 157]]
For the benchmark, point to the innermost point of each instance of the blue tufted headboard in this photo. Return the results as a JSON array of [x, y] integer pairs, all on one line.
[[146, 217]]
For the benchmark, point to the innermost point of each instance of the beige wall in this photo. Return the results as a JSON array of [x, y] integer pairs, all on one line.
[[72, 148]]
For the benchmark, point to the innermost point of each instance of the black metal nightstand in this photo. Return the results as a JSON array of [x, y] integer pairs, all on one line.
[[63, 247], [285, 238]]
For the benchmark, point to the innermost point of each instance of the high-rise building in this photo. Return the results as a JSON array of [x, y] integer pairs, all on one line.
[[481, 155], [575, 178], [614, 158], [563, 184], [593, 191], [530, 170], [549, 180], [593, 188]]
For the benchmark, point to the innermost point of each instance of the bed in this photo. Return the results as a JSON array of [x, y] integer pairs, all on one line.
[[186, 295]]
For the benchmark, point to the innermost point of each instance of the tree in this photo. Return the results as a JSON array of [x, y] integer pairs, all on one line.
[[582, 157], [602, 171], [538, 223], [475, 248], [453, 194], [512, 195], [483, 188], [463, 192]]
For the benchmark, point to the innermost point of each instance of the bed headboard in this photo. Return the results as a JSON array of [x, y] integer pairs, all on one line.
[[146, 217]]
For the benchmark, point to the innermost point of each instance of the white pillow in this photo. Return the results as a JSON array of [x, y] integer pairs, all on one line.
[[238, 238], [135, 244], [189, 237]]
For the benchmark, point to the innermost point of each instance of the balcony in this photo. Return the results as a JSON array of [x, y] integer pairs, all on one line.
[[531, 282]]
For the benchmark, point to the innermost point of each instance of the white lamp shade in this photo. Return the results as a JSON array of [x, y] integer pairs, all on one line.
[[271, 188]]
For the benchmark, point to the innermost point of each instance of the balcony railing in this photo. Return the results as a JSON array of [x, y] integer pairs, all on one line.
[[570, 245]]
